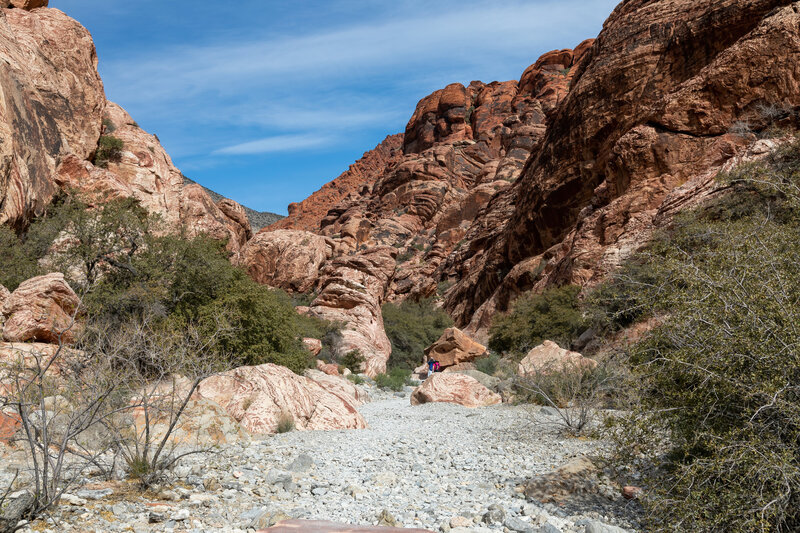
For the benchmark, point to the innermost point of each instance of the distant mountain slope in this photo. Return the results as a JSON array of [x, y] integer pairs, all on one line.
[[258, 219]]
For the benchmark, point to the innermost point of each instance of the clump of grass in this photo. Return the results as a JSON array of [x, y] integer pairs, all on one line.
[[285, 423]]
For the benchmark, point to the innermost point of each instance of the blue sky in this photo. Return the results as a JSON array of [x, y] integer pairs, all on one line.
[[265, 101]]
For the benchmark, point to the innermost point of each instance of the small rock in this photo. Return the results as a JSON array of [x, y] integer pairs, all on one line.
[[71, 499], [595, 526], [548, 411], [518, 525], [547, 527], [495, 515], [278, 476], [460, 521], [156, 518], [302, 463], [181, 515], [386, 519], [631, 492], [94, 494]]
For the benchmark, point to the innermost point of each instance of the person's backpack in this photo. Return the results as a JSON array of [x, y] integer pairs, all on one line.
[[436, 366]]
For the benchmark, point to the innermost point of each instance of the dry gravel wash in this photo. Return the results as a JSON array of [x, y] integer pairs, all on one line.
[[432, 466]]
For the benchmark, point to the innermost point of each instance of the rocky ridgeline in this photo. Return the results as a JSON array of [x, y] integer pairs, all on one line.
[[501, 188]]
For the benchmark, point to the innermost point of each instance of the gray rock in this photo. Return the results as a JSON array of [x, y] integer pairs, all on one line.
[[518, 525], [15, 509], [275, 477], [490, 382], [595, 526], [548, 411], [156, 518], [89, 494], [547, 527], [495, 515], [302, 463]]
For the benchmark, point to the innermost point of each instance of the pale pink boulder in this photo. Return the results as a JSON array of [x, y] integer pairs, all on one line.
[[339, 386], [41, 309], [328, 368], [549, 357], [257, 397], [454, 388]]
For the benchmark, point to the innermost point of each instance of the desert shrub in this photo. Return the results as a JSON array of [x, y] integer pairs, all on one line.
[[352, 360], [395, 379], [554, 314], [285, 423], [577, 393], [719, 421], [109, 149], [412, 327], [488, 365], [16, 262], [355, 379]]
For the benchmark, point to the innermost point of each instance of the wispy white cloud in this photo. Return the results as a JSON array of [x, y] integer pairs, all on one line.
[[278, 143]]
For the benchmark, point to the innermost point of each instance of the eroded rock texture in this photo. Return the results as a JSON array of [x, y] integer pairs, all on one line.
[[454, 388], [41, 309], [258, 396], [645, 123]]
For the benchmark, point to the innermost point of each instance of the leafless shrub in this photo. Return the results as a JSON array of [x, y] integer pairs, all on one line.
[[577, 394], [741, 128]]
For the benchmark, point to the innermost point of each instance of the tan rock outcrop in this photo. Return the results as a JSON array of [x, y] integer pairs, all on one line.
[[352, 289], [314, 346], [454, 388], [257, 396], [454, 347], [51, 105], [550, 357], [339, 386], [41, 309], [287, 259], [329, 368]]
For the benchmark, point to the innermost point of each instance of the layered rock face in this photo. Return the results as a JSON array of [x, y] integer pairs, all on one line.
[[52, 113], [51, 104], [396, 215], [352, 290], [645, 123]]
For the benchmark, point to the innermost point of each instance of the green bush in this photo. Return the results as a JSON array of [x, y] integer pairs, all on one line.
[[355, 378], [352, 360], [395, 379], [718, 427], [109, 149], [488, 365], [285, 423], [16, 262], [412, 327], [554, 314]]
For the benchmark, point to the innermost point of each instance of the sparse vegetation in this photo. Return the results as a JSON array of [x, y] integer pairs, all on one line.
[[285, 423], [352, 360], [412, 327], [554, 314], [109, 150], [395, 379], [717, 428]]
